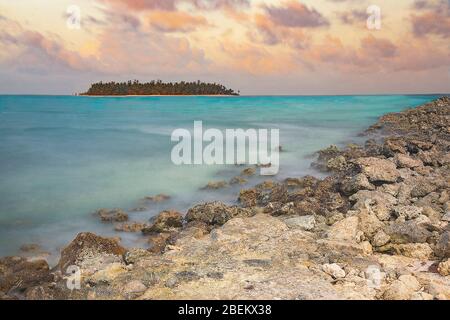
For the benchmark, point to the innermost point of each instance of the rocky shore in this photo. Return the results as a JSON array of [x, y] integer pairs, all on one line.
[[376, 228]]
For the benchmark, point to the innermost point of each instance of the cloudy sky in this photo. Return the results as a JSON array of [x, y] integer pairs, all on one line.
[[255, 46]]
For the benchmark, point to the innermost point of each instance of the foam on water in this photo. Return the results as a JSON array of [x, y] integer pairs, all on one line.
[[62, 157]]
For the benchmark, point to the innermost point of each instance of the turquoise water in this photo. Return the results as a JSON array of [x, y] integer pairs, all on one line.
[[62, 157]]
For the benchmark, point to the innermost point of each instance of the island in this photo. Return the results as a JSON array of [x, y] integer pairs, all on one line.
[[156, 88]]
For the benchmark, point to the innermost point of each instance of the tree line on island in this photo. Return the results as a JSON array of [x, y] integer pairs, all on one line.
[[157, 88]]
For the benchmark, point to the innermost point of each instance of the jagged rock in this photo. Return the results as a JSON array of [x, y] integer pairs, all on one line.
[[354, 184], [346, 229], [337, 164], [334, 217], [433, 215], [408, 212], [444, 268], [402, 289], [443, 245], [404, 161], [158, 242], [380, 239], [422, 188], [422, 296], [166, 221], [446, 217], [407, 232], [134, 255], [134, 288], [393, 146], [306, 222], [19, 274], [378, 170], [334, 270], [249, 197], [369, 223], [114, 215], [421, 251], [378, 202], [88, 244], [216, 213]]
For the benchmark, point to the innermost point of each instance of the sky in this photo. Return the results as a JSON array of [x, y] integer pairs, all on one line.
[[280, 47]]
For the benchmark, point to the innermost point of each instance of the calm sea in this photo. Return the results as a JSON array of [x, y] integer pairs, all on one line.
[[62, 157]]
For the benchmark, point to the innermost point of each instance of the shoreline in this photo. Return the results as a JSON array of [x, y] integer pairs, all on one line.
[[363, 209]]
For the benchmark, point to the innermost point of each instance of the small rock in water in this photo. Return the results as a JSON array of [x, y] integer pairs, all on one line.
[[215, 185], [158, 198], [334, 270], [139, 209], [248, 172], [114, 215], [130, 227], [238, 180], [30, 247]]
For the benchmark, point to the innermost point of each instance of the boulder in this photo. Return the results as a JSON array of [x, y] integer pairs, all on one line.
[[248, 197], [422, 187], [306, 223], [408, 212], [378, 170], [88, 245], [404, 161], [444, 268], [216, 213], [369, 223], [114, 215], [19, 274], [380, 239], [402, 289], [353, 184], [158, 242], [345, 229], [407, 232], [334, 270], [421, 251], [166, 221], [442, 249], [337, 164], [378, 202]]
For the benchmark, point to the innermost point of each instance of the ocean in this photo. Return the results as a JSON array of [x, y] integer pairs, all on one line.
[[63, 157]]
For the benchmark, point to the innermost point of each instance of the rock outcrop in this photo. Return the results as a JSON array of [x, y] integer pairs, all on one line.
[[376, 228]]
